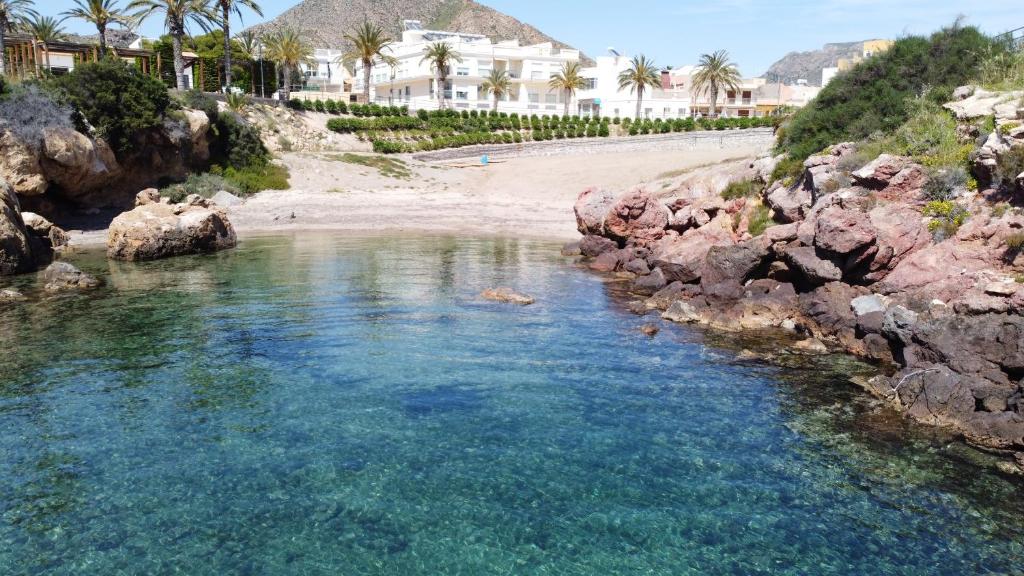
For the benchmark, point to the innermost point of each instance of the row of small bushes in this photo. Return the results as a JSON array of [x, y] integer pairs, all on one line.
[[349, 125], [341, 107]]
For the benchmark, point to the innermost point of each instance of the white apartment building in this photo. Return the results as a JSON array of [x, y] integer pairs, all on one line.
[[326, 73], [602, 96], [411, 82]]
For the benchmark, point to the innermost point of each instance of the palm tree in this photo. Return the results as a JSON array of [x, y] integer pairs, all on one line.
[[714, 73], [227, 7], [641, 74], [568, 80], [101, 14], [497, 84], [392, 63], [289, 50], [440, 55], [368, 43], [46, 29], [177, 15], [249, 43], [12, 12]]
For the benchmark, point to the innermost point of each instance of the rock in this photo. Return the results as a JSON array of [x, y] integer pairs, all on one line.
[[682, 257], [789, 204], [593, 246], [764, 167], [811, 346], [734, 263], [963, 92], [812, 265], [506, 296], [828, 308], [898, 324], [941, 271], [61, 276], [682, 312], [159, 231], [19, 166], [710, 181], [877, 174], [900, 232], [226, 199], [15, 250], [650, 329], [843, 231], [650, 283], [147, 196], [1004, 288], [869, 303], [782, 233], [571, 249], [607, 262], [76, 163], [636, 214], [55, 236], [8, 295], [591, 207], [198, 127], [637, 266]]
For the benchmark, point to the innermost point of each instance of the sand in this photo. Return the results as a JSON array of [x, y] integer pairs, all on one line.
[[526, 197]]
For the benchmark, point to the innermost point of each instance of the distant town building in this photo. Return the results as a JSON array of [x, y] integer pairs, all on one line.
[[870, 48], [412, 82]]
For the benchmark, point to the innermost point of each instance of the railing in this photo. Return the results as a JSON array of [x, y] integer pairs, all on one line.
[[1014, 38]]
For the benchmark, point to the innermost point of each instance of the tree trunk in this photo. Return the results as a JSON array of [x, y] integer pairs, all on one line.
[[102, 29], [287, 86], [367, 68], [46, 50], [639, 101], [495, 102], [568, 98], [227, 45], [714, 100], [3, 54], [252, 77], [441, 81], [179, 60]]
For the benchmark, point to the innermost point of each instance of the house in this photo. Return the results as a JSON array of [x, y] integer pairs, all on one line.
[[412, 82], [26, 56]]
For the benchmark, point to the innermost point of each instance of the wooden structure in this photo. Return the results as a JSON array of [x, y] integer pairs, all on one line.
[[25, 57]]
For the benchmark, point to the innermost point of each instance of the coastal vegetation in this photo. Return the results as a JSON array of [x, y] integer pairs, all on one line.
[[288, 48], [369, 42], [641, 74], [568, 81], [178, 14], [497, 84], [228, 7], [101, 14], [440, 55]]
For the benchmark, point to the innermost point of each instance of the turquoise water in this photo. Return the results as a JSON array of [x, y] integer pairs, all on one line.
[[324, 405]]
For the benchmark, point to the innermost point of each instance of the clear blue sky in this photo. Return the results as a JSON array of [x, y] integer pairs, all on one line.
[[676, 32]]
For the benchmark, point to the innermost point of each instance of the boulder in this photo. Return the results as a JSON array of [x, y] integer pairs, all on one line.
[[159, 231], [593, 246], [831, 316], [681, 258], [198, 128], [15, 249], [650, 283], [226, 199], [814, 266], [636, 214], [736, 263], [877, 174], [869, 303], [609, 261], [19, 166], [571, 249], [77, 163], [710, 181], [506, 296], [941, 271], [9, 295], [591, 207], [683, 312], [61, 276], [843, 231], [789, 204], [900, 231]]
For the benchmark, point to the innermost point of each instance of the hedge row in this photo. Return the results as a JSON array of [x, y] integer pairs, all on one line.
[[340, 107]]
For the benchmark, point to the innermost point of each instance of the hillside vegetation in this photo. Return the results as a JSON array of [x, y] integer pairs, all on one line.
[[876, 95]]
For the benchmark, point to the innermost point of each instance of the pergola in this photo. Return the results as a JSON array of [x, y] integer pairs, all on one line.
[[25, 56]]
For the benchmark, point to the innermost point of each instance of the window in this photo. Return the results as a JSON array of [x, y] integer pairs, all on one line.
[[484, 71], [551, 98], [462, 95], [462, 71], [666, 112], [683, 113], [647, 112], [534, 98], [616, 112], [590, 83]]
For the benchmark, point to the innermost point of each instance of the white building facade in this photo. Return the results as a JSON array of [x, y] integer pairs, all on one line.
[[412, 82], [327, 73]]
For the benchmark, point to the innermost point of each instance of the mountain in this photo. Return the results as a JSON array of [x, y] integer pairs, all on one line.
[[325, 22], [807, 65]]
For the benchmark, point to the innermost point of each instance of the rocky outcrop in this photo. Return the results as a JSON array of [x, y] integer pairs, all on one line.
[[158, 230], [15, 250], [506, 296], [66, 167], [849, 264], [591, 209]]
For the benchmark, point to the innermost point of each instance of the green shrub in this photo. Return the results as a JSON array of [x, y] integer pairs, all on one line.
[[603, 131], [760, 220], [1015, 241], [319, 106], [947, 217], [422, 114], [295, 104], [253, 179], [116, 99], [205, 185], [741, 189], [871, 96], [1011, 165], [237, 143], [788, 170], [388, 147], [196, 100], [944, 183], [331, 106]]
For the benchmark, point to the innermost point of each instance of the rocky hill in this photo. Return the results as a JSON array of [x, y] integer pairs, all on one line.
[[325, 22], [807, 65]]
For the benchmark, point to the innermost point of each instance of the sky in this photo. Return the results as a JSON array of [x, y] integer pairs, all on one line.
[[676, 32]]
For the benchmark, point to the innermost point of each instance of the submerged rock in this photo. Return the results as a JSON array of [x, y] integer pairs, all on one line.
[[154, 231], [506, 296], [15, 251], [650, 329], [8, 295], [61, 276]]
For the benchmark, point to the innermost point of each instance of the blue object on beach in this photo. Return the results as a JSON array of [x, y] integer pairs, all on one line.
[[485, 160]]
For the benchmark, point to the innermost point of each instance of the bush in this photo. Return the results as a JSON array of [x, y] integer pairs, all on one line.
[[760, 220], [253, 179], [331, 106], [741, 189], [28, 109], [116, 99], [237, 144], [871, 97], [1011, 165], [788, 170], [947, 217], [205, 185], [388, 147], [295, 104], [945, 183], [196, 100], [603, 131], [422, 114]]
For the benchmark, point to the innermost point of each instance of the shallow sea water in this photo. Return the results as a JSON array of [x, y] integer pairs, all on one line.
[[330, 405]]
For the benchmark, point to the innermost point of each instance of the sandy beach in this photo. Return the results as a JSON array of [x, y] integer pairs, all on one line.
[[525, 197]]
